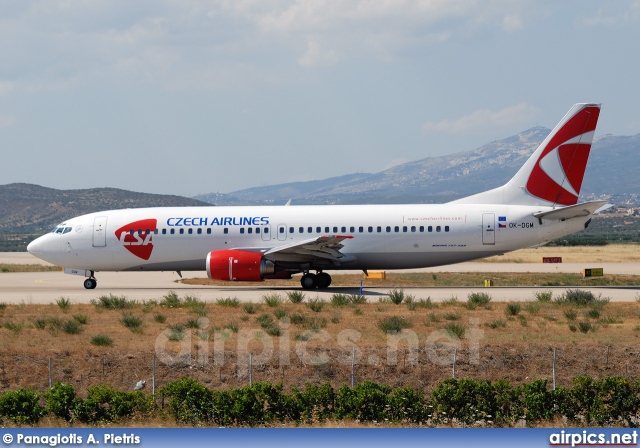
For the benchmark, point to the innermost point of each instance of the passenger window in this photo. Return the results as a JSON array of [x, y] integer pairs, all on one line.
[[181, 231], [164, 231], [301, 230], [199, 231], [335, 229], [352, 229], [250, 230], [266, 230], [257, 229], [446, 228], [291, 230], [318, 229], [360, 229], [413, 228], [281, 229], [209, 231], [173, 231], [388, 229], [430, 229], [396, 229], [344, 230], [404, 228], [226, 230], [190, 231], [379, 229], [437, 228], [241, 230], [326, 229], [309, 229]]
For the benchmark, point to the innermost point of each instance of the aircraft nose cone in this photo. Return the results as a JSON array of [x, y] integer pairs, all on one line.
[[35, 248]]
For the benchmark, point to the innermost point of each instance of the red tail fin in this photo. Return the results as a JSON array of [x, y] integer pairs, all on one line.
[[557, 175]]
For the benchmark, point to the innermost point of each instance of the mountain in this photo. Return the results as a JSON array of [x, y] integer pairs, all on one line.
[[611, 173], [32, 209]]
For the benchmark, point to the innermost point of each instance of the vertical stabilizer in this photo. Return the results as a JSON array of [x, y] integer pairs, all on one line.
[[553, 175]]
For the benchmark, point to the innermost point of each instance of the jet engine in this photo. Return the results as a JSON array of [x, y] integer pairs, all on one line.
[[239, 266]]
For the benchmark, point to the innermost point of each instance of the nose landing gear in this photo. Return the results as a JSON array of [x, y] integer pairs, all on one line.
[[91, 283]]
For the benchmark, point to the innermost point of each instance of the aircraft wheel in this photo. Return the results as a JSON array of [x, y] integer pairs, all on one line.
[[308, 281], [323, 280], [90, 283]]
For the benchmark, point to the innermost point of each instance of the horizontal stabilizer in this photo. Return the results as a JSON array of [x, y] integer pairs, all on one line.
[[572, 211]]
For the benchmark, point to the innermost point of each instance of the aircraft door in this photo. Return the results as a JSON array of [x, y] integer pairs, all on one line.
[[488, 228], [100, 231], [282, 232], [266, 233]]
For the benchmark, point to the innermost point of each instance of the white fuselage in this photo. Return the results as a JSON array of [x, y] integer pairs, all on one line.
[[383, 236]]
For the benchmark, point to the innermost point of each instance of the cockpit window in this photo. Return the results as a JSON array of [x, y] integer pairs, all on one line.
[[59, 230], [67, 230]]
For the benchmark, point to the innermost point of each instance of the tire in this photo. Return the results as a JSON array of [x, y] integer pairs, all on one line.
[[323, 280], [90, 283], [309, 281]]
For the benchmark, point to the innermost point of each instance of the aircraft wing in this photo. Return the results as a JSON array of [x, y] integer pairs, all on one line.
[[572, 211], [326, 247]]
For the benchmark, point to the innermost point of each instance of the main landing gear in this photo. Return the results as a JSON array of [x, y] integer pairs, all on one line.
[[91, 282], [321, 280]]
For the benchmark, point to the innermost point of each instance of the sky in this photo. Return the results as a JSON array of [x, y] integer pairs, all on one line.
[[191, 97]]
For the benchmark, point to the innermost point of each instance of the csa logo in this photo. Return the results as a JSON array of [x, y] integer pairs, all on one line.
[[138, 242]]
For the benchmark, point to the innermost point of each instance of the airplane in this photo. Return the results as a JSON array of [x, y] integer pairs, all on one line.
[[539, 204]]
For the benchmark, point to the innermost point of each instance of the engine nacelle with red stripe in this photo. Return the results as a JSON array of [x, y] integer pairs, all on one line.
[[238, 266]]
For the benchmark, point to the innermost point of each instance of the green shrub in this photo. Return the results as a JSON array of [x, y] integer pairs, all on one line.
[[316, 305], [171, 300], [160, 318], [101, 340], [189, 401], [570, 314], [366, 401], [250, 308], [133, 323], [543, 296], [64, 304], [476, 299], [512, 309], [397, 296], [22, 406], [230, 302], [579, 297], [105, 404], [60, 400], [456, 329], [71, 327], [272, 300], [393, 324], [295, 296], [112, 302], [82, 319]]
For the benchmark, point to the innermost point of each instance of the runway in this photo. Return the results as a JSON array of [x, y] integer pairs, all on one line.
[[47, 287]]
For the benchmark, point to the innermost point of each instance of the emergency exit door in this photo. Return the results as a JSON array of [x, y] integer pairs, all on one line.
[[100, 231]]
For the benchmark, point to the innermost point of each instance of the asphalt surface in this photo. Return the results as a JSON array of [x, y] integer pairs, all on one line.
[[47, 287]]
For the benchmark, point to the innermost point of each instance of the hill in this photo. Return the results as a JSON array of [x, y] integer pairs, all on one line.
[[27, 210], [611, 174]]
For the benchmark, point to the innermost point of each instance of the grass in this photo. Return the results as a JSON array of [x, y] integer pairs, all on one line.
[[112, 302], [295, 296], [272, 300], [64, 304], [133, 323], [101, 340], [316, 305], [393, 324], [228, 302]]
